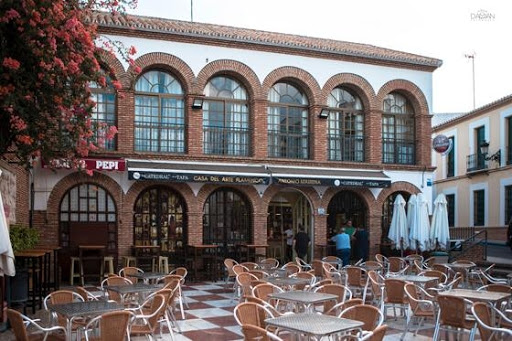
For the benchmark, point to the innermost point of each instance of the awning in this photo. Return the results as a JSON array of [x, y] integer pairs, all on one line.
[[251, 174]]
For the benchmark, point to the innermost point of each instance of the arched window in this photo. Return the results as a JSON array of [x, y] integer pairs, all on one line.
[[398, 130], [225, 118], [104, 113], [345, 127], [159, 113], [288, 128]]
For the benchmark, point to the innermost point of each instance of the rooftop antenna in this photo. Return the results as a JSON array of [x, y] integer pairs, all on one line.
[[192, 10], [471, 56]]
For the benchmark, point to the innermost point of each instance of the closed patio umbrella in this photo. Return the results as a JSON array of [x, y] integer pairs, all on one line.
[[6, 254], [440, 231], [398, 229], [411, 211], [419, 234]]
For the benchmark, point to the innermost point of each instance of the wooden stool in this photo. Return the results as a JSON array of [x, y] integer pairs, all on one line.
[[79, 268], [109, 261], [163, 264], [129, 261]]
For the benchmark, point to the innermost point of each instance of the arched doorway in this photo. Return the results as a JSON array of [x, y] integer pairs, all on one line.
[[227, 220], [387, 212], [287, 209], [87, 216], [160, 220]]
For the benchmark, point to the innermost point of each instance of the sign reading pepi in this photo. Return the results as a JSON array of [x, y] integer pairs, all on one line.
[[91, 164], [442, 144]]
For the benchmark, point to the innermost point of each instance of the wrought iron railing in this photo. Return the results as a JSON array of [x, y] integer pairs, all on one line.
[[476, 162], [346, 148], [226, 140], [398, 151], [467, 239]]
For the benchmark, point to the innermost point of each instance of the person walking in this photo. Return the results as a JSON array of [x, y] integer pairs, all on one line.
[[342, 240], [301, 243], [361, 244], [288, 233]]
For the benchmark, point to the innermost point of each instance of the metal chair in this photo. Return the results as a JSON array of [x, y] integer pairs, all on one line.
[[422, 306], [490, 328], [128, 271], [371, 317], [257, 333], [20, 323], [305, 266], [395, 296], [229, 263], [251, 313], [452, 316], [111, 326], [146, 324], [342, 292], [355, 279]]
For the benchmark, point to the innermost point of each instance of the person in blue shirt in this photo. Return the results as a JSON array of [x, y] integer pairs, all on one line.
[[342, 240]]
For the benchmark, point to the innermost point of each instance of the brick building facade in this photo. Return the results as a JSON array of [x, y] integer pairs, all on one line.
[[292, 130]]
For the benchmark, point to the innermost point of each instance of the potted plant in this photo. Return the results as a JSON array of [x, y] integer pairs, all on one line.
[[22, 237]]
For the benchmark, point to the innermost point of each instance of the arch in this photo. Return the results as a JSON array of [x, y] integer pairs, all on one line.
[[355, 83], [399, 186], [409, 90], [232, 68], [168, 62], [117, 68], [300, 77]]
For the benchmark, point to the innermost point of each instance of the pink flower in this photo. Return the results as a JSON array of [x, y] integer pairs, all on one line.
[[11, 14], [89, 172], [137, 69], [11, 63], [132, 50], [117, 84]]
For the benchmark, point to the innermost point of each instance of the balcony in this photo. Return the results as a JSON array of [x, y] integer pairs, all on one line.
[[476, 162]]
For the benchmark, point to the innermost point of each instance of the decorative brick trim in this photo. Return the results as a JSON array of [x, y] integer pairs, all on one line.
[[409, 90], [353, 82], [301, 78], [168, 62], [399, 186], [117, 67], [232, 68]]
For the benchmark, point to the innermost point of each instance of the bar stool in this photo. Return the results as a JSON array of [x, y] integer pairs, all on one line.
[[163, 264], [109, 261], [129, 261], [79, 268]]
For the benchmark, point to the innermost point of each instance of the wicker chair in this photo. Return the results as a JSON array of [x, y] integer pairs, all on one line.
[[264, 290], [339, 307], [239, 268], [383, 260], [342, 292], [253, 333], [305, 275], [320, 283], [146, 324], [372, 265], [379, 333], [129, 271], [355, 279], [60, 297], [244, 283], [269, 263], [251, 313], [20, 323], [505, 288], [111, 326], [114, 281], [335, 260], [250, 265], [291, 268], [86, 295], [397, 265], [330, 272], [489, 329], [395, 296], [318, 269], [441, 278], [304, 266], [371, 316], [421, 303], [452, 316], [258, 273], [229, 263], [375, 286]]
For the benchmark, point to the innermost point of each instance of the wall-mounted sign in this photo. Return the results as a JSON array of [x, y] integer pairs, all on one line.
[[442, 144], [188, 177], [88, 164], [330, 182]]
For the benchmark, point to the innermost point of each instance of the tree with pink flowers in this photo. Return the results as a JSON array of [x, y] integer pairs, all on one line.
[[49, 56]]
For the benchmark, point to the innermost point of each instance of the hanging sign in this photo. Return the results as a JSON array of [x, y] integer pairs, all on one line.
[[442, 144]]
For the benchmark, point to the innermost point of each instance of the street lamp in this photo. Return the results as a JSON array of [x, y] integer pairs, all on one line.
[[484, 149]]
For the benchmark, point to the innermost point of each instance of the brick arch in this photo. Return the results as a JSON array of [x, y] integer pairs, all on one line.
[[168, 62], [248, 191], [364, 193], [409, 90], [78, 178], [353, 82], [117, 67], [399, 186], [138, 187], [233, 68], [309, 192], [300, 77]]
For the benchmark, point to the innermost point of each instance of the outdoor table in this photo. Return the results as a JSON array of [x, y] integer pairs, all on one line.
[[492, 297], [207, 255], [146, 256], [314, 325], [92, 254], [149, 276], [304, 298], [276, 272], [55, 265], [83, 309], [463, 267], [422, 280], [287, 282]]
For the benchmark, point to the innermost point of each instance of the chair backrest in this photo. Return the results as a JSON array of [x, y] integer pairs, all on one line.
[[379, 333], [442, 268], [482, 314], [181, 271], [113, 326], [17, 325], [318, 268], [305, 275], [86, 295], [394, 289], [158, 305], [376, 282], [414, 257], [229, 263], [258, 273], [252, 332], [251, 313], [129, 271], [263, 290], [342, 292], [328, 271], [272, 263], [396, 264], [382, 260], [250, 265], [417, 299], [497, 288], [244, 280], [320, 283], [441, 277], [267, 305], [302, 263], [291, 268], [115, 281], [368, 314], [354, 276], [239, 268], [452, 310], [464, 261], [62, 296]]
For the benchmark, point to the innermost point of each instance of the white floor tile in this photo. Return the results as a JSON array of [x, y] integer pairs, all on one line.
[[211, 312], [195, 324]]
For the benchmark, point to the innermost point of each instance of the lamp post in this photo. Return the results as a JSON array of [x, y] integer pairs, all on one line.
[[472, 57]]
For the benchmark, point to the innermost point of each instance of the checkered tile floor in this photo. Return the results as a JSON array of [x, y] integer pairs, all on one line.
[[209, 316]]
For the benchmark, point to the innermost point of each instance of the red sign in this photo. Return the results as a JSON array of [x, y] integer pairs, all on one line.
[[442, 144], [88, 164]]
